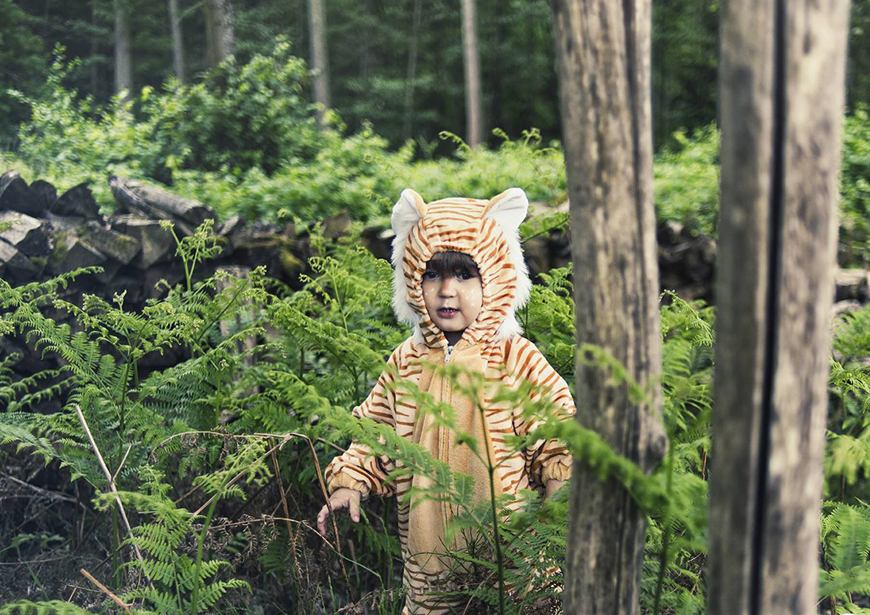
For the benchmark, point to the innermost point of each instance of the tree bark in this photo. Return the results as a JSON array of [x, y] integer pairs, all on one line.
[[95, 52], [781, 83], [220, 38], [319, 56], [123, 57], [471, 64], [412, 69], [603, 51], [177, 41]]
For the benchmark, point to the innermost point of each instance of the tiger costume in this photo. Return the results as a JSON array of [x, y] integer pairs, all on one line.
[[488, 231]]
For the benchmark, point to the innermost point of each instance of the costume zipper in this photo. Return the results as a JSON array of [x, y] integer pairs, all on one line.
[[447, 355]]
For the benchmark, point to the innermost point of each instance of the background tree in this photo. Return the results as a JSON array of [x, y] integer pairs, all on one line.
[[319, 56], [220, 35], [471, 65], [177, 40], [370, 45], [123, 57]]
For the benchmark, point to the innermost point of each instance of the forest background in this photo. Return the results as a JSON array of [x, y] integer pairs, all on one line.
[[246, 136]]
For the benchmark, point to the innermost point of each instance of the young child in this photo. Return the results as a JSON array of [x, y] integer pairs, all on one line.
[[459, 278]]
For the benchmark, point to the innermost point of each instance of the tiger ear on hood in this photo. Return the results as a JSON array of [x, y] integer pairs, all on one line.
[[509, 209], [406, 212]]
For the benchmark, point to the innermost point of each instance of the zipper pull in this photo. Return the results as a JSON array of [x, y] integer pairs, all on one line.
[[448, 353]]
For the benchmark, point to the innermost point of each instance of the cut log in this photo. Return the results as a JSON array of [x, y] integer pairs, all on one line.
[[136, 197], [116, 246], [852, 284], [233, 225], [73, 253], [45, 193], [14, 266], [16, 195], [77, 201], [156, 242], [27, 234]]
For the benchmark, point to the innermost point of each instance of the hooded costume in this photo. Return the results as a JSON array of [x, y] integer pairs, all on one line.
[[488, 231]]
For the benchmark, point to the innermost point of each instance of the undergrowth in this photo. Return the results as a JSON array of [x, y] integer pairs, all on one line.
[[216, 461]]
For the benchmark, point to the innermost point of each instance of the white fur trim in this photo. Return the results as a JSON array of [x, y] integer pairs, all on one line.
[[509, 327], [409, 210]]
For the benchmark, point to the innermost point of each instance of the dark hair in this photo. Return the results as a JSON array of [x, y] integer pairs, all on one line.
[[455, 263]]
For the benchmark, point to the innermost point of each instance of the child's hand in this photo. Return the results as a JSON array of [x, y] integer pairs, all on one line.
[[342, 498], [552, 487]]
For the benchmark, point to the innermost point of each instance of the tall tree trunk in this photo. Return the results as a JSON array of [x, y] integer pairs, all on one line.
[[412, 69], [781, 84], [319, 57], [177, 40], [123, 57], [220, 39], [471, 56], [95, 52], [603, 51]]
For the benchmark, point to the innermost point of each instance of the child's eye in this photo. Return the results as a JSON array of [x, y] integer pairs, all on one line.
[[430, 275], [465, 275]]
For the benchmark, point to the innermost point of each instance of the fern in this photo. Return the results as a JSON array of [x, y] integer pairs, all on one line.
[[52, 607]]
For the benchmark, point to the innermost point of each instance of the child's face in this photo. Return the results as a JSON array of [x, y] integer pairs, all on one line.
[[452, 300]]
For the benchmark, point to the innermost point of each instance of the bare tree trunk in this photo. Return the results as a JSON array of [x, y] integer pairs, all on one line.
[[220, 38], [471, 55], [177, 40], [603, 51], [319, 57], [412, 69], [123, 57], [95, 51], [781, 83]]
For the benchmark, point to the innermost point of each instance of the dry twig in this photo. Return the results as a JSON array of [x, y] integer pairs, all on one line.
[[106, 590], [111, 484]]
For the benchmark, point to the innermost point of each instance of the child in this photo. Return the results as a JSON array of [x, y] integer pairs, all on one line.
[[459, 278]]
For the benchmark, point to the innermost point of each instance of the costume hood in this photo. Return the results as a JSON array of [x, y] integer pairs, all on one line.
[[488, 231]]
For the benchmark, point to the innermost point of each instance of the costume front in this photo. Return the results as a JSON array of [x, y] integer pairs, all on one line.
[[488, 231]]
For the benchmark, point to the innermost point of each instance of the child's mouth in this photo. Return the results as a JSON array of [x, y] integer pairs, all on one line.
[[447, 312]]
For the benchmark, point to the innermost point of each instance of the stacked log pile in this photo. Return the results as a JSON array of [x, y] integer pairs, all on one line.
[[44, 232]]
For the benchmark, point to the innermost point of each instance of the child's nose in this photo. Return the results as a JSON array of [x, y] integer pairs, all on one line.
[[448, 286]]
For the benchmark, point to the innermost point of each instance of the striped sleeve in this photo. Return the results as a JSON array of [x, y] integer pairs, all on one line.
[[358, 468], [545, 459]]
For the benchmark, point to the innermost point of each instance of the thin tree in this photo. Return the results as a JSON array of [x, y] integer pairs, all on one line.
[[412, 69], [123, 57], [603, 51], [177, 40], [471, 64], [319, 56], [219, 35], [95, 49]]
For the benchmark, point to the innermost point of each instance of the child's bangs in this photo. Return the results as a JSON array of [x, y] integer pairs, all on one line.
[[454, 263]]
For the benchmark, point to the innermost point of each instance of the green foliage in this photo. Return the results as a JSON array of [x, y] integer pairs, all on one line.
[[51, 607], [176, 582], [687, 181], [273, 372], [23, 61], [855, 188]]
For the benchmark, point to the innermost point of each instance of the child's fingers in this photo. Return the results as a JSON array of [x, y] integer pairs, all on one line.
[[354, 509], [321, 520]]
